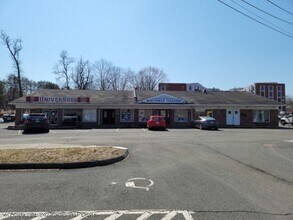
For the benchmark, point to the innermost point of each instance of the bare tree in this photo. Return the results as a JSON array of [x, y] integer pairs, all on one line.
[[3, 101], [110, 77], [11, 85], [125, 80], [62, 68], [119, 79], [46, 85], [289, 103], [103, 71], [14, 47], [148, 78], [82, 75], [28, 85]]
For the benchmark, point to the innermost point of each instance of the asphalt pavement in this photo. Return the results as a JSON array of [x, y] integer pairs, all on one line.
[[174, 174]]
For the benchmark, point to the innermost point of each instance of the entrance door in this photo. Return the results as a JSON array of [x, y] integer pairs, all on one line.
[[52, 115], [109, 116], [233, 117], [165, 114]]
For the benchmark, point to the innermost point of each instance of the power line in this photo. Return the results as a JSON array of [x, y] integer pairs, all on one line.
[[255, 19], [280, 7], [288, 22], [262, 18]]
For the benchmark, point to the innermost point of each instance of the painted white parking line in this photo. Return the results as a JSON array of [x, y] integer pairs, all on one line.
[[290, 141], [3, 217], [144, 216], [109, 214], [187, 215], [170, 215], [79, 217], [117, 129], [39, 218], [19, 132], [114, 216]]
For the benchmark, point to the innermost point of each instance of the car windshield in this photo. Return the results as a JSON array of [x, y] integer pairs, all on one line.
[[37, 116], [208, 118], [157, 118]]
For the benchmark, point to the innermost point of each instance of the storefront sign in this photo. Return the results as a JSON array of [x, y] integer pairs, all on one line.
[[164, 99], [47, 99]]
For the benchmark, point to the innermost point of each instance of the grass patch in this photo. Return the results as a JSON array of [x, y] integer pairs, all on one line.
[[58, 155]]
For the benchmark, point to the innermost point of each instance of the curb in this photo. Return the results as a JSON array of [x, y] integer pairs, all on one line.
[[76, 165]]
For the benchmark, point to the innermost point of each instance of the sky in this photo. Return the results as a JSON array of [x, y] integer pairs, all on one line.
[[192, 41]]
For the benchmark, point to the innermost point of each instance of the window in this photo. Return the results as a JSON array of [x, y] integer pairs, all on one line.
[[126, 115], [181, 115], [261, 116], [262, 91], [144, 115], [279, 93], [271, 92], [163, 87], [89, 115], [69, 116]]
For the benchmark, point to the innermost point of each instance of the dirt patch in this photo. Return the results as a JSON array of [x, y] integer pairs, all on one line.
[[58, 155]]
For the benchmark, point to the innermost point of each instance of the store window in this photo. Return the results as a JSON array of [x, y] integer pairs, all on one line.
[[261, 116], [52, 115], [144, 115], [126, 115], [69, 116], [89, 115], [181, 115]]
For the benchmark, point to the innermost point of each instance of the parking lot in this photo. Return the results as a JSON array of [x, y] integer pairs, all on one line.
[[217, 172]]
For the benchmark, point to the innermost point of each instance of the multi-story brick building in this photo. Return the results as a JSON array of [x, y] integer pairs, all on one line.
[[270, 90], [189, 87], [172, 86]]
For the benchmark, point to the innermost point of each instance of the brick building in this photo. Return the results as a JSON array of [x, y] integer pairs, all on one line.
[[172, 87], [270, 90], [94, 109], [189, 87]]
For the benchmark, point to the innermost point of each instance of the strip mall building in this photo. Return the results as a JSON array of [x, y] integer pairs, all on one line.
[[94, 109]]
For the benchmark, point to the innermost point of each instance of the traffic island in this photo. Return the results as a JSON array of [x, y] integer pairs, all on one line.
[[61, 158]]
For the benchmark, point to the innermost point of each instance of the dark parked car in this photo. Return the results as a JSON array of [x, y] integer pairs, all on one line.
[[37, 122], [9, 118], [205, 122]]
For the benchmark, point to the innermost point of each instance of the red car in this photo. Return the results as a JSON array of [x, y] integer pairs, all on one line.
[[156, 122]]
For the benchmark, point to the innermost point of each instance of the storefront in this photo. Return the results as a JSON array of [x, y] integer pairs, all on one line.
[[98, 109]]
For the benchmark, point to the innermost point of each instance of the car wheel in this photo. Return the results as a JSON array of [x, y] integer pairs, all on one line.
[[215, 129], [283, 122]]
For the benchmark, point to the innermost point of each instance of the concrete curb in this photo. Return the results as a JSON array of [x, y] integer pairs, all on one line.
[[76, 165]]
